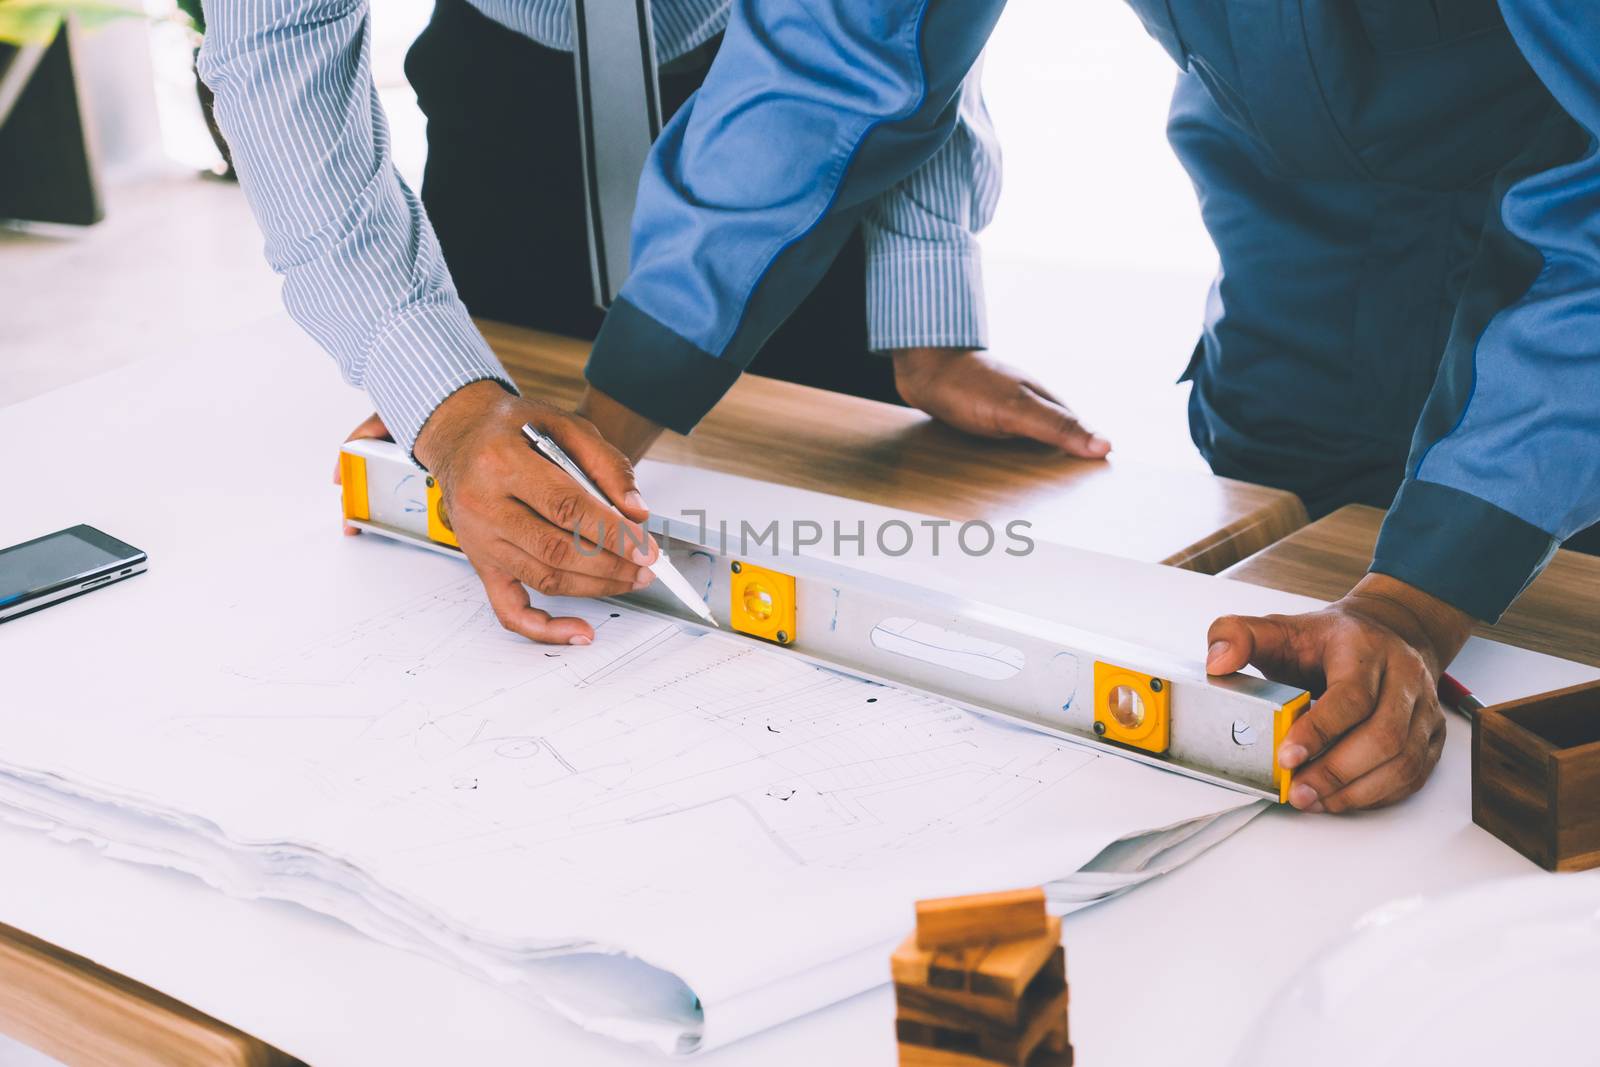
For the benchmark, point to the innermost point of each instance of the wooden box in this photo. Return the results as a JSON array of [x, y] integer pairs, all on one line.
[[1536, 776]]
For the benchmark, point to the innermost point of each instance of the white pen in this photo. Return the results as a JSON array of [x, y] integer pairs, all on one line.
[[662, 568]]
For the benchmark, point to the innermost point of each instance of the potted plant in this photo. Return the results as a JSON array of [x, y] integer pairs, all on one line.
[[35, 22], [30, 23]]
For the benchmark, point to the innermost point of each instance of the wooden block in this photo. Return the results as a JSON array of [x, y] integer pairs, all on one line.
[[916, 1056], [1002, 970], [970, 1011], [951, 922], [997, 1044], [1056, 1040], [1054, 1051], [1536, 776], [1007, 968]]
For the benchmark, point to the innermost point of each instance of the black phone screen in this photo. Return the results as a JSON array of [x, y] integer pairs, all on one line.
[[56, 558]]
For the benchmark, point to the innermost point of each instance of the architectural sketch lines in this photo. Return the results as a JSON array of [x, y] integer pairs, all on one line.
[[482, 745]]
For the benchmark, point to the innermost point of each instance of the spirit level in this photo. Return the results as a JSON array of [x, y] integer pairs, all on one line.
[[1068, 682]]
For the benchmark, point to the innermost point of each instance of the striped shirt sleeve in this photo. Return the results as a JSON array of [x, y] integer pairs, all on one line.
[[362, 269], [924, 268]]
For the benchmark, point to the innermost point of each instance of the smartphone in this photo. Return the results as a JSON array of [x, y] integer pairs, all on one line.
[[60, 566]]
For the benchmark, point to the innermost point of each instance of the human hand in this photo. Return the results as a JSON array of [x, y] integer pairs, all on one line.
[[982, 396], [1373, 661], [371, 427], [623, 428], [519, 518]]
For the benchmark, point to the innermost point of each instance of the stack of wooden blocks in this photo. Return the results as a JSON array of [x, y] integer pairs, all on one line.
[[982, 983]]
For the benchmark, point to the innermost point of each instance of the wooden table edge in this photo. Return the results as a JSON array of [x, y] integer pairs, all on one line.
[[551, 365], [71, 1008], [1557, 615]]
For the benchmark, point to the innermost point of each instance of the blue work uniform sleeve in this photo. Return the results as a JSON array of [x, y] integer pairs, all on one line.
[[810, 112], [1505, 463]]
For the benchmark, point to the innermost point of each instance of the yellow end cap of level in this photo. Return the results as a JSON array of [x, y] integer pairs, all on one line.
[[761, 603], [353, 486], [1282, 719], [438, 523], [1132, 708]]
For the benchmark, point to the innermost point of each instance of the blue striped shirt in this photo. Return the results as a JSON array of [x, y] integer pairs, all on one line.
[[363, 273]]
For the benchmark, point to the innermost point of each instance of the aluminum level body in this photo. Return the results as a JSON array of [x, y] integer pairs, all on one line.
[[986, 658]]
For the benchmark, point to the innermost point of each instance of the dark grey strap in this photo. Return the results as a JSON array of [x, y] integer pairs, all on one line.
[[619, 115]]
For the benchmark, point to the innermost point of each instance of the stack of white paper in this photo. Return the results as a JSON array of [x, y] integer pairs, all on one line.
[[673, 838]]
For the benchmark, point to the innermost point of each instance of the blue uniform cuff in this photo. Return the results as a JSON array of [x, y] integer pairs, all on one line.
[[642, 364], [1460, 548]]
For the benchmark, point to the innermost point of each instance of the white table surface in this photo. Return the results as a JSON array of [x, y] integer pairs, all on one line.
[[1172, 973]]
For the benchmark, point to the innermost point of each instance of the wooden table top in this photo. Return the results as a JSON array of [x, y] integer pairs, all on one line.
[[87, 1016], [1558, 614], [898, 457], [774, 431]]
